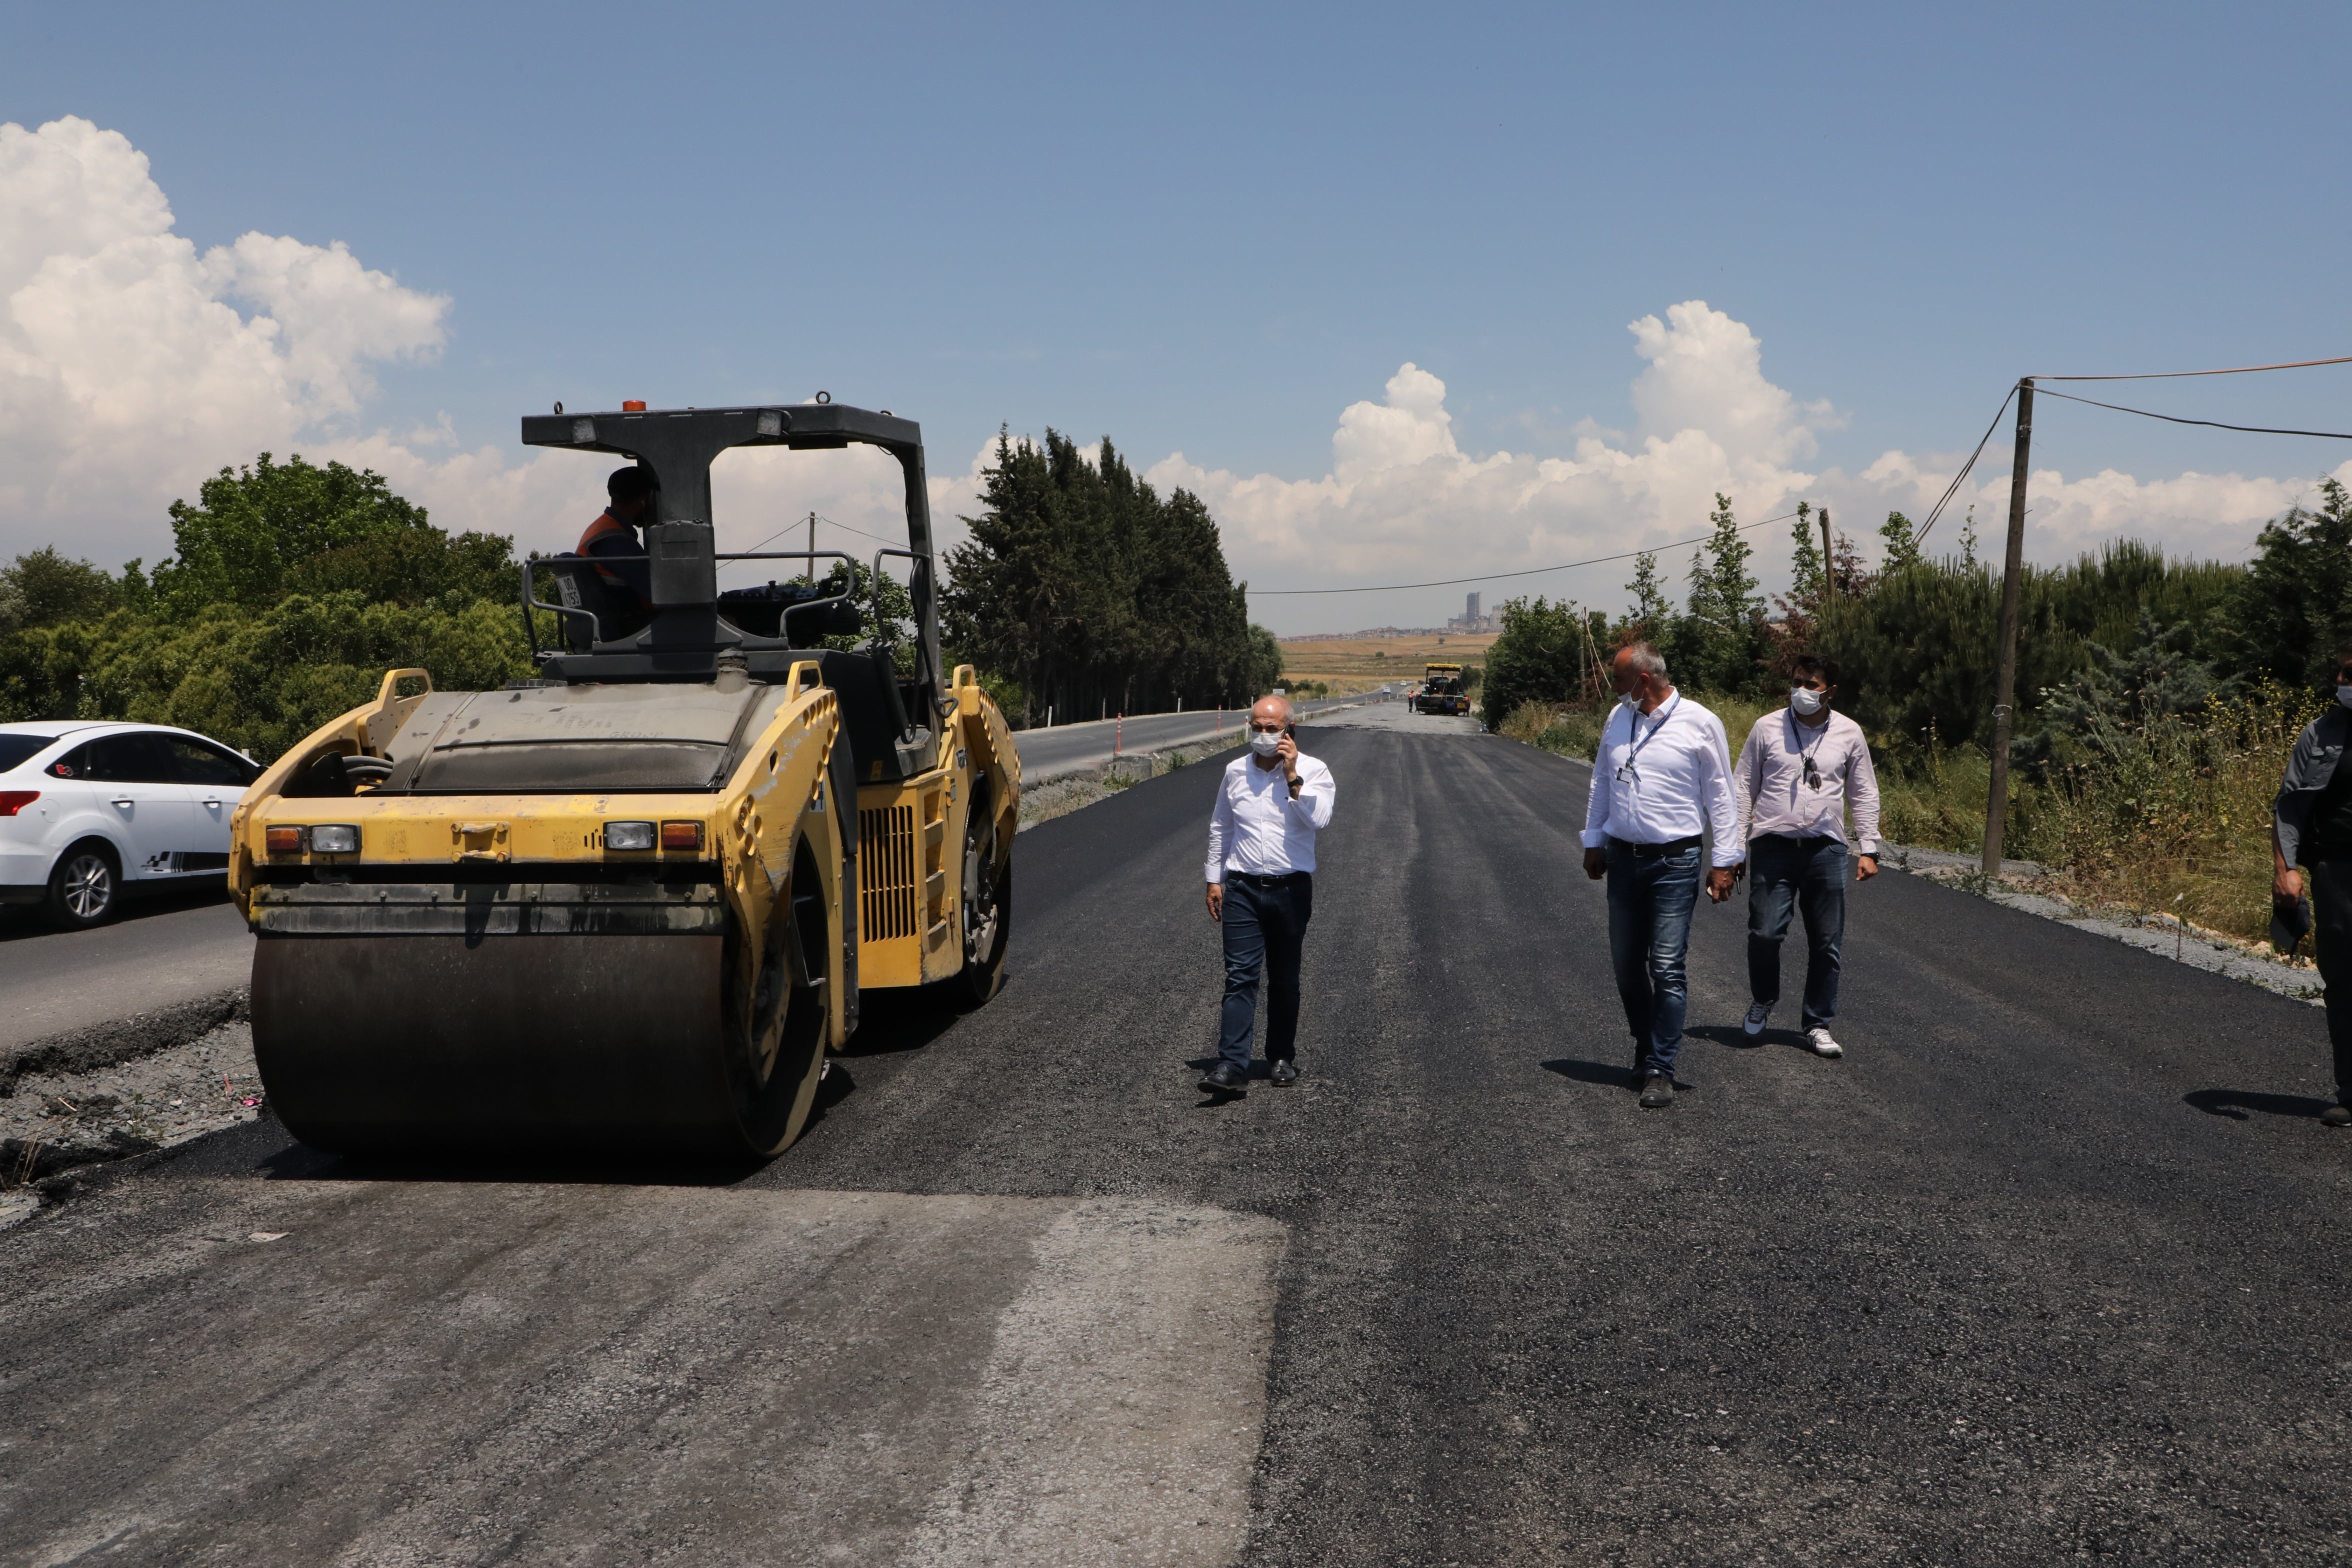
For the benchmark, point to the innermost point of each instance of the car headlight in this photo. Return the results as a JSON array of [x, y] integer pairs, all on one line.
[[628, 836]]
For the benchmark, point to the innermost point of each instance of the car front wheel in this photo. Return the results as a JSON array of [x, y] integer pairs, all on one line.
[[84, 888]]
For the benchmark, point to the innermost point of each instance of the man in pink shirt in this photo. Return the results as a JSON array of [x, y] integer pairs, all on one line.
[[1798, 771]]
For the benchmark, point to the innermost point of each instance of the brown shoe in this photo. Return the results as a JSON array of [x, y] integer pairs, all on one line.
[[2336, 1116]]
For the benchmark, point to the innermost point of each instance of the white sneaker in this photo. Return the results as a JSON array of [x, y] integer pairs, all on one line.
[[1757, 1014], [1819, 1038]]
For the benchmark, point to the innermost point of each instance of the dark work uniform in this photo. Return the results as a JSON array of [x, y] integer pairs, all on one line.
[[2312, 820], [2326, 854]]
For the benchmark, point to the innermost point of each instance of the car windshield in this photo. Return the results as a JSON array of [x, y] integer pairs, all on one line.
[[15, 750]]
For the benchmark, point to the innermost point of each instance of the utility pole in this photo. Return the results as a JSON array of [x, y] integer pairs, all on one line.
[[2012, 588], [812, 559], [1828, 567]]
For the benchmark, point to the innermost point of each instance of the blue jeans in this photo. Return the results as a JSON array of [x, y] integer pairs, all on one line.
[[1265, 928], [1786, 875], [1649, 903]]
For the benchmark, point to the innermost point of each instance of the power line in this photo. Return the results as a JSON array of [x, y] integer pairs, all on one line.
[[2174, 374], [797, 523], [2177, 419], [1953, 489], [1529, 572]]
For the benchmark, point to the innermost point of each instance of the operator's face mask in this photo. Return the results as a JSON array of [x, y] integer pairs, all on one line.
[[1807, 701]]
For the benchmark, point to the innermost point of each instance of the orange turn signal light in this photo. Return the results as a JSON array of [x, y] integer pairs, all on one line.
[[283, 840], [681, 835], [633, 405]]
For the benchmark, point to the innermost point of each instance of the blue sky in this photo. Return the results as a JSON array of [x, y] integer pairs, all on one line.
[[1211, 229]]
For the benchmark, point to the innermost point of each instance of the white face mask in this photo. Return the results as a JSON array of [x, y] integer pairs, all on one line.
[[1263, 745], [2344, 695], [1806, 700], [1629, 698]]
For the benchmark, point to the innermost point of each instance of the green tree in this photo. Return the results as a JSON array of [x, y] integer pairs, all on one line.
[[1901, 544], [1716, 645], [1086, 588], [43, 587], [257, 533], [2293, 606], [1540, 656], [1652, 617], [1808, 571]]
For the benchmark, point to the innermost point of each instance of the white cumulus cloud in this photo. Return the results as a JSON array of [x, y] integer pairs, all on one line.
[[127, 370], [1403, 501]]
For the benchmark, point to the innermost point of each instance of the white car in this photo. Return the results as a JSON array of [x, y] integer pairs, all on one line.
[[91, 810]]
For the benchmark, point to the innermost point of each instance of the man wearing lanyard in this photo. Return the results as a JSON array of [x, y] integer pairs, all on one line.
[[1261, 873], [1660, 780], [1798, 771]]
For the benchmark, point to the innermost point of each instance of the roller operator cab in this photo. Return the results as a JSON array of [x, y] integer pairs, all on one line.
[[1441, 690], [629, 906]]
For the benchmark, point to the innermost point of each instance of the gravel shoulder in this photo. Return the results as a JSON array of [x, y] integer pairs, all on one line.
[[57, 1120]]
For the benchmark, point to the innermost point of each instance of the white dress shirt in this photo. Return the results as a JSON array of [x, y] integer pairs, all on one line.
[[1662, 776], [1258, 829], [1774, 796]]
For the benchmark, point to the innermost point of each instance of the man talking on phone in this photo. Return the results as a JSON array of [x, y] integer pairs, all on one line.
[[1260, 875]]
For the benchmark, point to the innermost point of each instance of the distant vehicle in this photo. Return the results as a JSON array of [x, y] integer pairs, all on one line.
[[1441, 690], [89, 811]]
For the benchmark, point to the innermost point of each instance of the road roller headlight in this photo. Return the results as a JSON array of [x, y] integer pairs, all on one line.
[[335, 838], [628, 836], [283, 840], [681, 835]]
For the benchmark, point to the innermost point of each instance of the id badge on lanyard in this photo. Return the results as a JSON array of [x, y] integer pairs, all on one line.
[[1626, 771]]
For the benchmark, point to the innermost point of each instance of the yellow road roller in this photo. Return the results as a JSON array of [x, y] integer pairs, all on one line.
[[628, 905]]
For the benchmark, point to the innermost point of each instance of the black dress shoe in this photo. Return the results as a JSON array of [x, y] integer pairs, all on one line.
[[1658, 1092], [1283, 1074], [2336, 1116], [1225, 1078]]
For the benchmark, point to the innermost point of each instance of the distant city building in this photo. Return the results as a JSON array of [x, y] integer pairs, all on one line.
[[1473, 621]]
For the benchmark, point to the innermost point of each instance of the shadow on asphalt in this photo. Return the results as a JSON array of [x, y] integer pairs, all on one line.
[[1612, 1075], [2236, 1103], [19, 922], [1739, 1039]]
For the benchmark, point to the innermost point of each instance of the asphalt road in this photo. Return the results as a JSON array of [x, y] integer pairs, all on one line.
[[1077, 748], [163, 950], [2049, 1266]]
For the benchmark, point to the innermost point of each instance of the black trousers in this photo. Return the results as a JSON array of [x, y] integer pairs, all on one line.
[[1265, 930], [2331, 921]]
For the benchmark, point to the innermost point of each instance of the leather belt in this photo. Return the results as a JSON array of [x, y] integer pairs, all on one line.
[[1261, 879], [1654, 851]]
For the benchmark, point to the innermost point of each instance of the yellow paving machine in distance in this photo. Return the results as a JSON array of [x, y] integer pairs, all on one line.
[[628, 905]]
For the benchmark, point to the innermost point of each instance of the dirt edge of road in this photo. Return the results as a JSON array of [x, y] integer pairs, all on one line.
[[102, 1046]]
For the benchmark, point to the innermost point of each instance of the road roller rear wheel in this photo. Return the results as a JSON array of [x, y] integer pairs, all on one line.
[[987, 907], [776, 1032]]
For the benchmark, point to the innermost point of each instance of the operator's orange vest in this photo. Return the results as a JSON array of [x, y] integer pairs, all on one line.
[[605, 523]]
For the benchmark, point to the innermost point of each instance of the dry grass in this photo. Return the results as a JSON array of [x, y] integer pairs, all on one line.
[[1353, 664]]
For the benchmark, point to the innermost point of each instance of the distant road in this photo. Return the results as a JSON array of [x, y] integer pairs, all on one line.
[[163, 952], [1076, 748]]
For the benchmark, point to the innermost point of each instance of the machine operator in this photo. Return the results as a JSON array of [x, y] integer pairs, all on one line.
[[614, 532]]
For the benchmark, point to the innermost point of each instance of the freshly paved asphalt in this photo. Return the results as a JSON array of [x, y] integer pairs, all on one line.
[[2051, 1265]]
